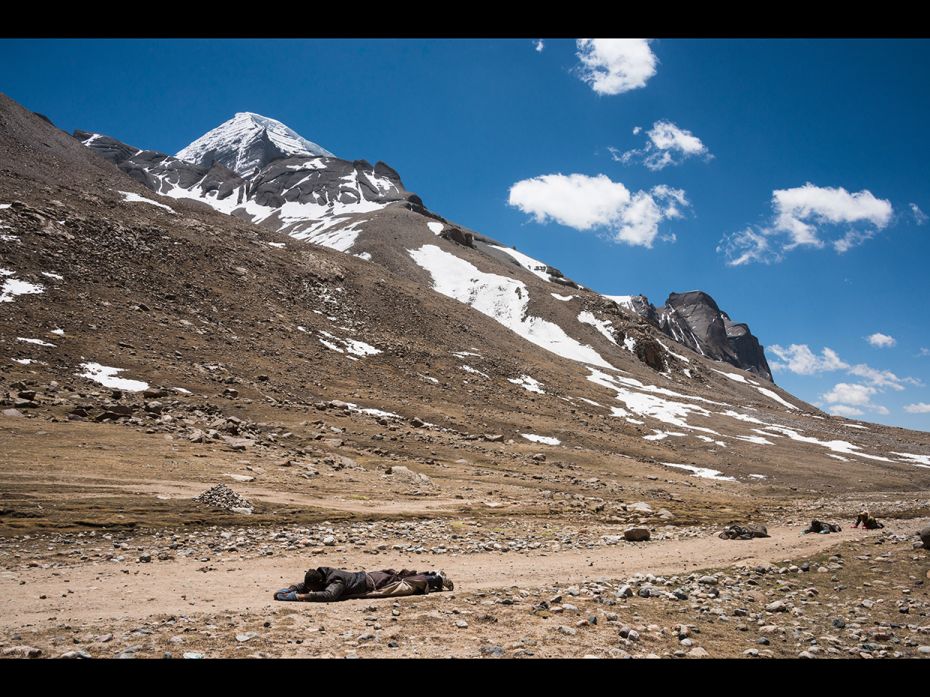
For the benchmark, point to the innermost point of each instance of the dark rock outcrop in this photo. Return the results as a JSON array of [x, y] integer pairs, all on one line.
[[695, 320]]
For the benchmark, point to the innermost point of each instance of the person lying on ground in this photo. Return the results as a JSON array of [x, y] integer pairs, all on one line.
[[868, 521], [326, 584], [822, 528]]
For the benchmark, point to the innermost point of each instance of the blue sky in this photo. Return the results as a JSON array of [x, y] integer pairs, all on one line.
[[514, 142]]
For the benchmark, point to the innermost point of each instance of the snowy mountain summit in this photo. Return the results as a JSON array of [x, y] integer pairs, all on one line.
[[248, 142]]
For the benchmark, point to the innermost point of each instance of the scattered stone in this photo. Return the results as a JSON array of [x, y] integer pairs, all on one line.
[[777, 606], [193, 654], [636, 534], [221, 496], [461, 624], [22, 651], [79, 653], [698, 652], [247, 636]]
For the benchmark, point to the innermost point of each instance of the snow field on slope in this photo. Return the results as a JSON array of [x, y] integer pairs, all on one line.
[[502, 299]]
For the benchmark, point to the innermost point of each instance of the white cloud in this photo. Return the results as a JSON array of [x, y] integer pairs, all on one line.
[[879, 340], [919, 216], [539, 45], [924, 352], [637, 130], [584, 203], [614, 66], [919, 408], [668, 145], [798, 216], [846, 393], [882, 378], [843, 410], [801, 360]]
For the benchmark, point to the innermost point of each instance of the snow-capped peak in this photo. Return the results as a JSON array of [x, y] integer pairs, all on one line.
[[247, 142]]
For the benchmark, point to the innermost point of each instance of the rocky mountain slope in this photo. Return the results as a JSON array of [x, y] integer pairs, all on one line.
[[421, 318], [292, 185]]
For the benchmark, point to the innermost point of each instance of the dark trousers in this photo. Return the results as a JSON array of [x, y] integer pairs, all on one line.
[[380, 579]]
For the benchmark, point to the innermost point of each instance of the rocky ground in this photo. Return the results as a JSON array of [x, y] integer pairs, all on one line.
[[208, 594]]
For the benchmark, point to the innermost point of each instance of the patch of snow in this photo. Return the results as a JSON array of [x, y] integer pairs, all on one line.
[[53, 275], [773, 395], [733, 376], [590, 401], [372, 412], [703, 472], [708, 439], [503, 299], [855, 426], [758, 440], [357, 348], [469, 369], [364, 255], [181, 390], [38, 342], [22, 361], [919, 460], [630, 344], [106, 376], [563, 298], [430, 379], [619, 411], [687, 372], [12, 287], [435, 227], [465, 354], [532, 265], [838, 457], [5, 205], [603, 326], [341, 239], [527, 383], [279, 245], [670, 412], [546, 440], [742, 417], [662, 435], [757, 476], [360, 348], [130, 197], [622, 300], [676, 355], [839, 446]]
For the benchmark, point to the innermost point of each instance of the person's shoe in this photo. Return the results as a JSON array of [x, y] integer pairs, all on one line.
[[447, 584]]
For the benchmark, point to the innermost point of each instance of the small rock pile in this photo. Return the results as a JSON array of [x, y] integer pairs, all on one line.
[[221, 496]]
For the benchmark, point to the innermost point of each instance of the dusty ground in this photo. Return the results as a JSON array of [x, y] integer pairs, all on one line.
[[104, 553]]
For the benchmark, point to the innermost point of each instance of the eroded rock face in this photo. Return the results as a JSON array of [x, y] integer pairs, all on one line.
[[695, 320]]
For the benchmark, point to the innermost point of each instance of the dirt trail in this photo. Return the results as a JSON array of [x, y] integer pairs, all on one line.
[[118, 591]]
